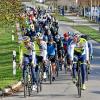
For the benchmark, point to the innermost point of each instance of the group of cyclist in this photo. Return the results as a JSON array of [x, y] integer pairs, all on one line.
[[40, 41]]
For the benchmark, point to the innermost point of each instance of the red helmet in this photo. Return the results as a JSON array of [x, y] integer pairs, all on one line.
[[66, 34]]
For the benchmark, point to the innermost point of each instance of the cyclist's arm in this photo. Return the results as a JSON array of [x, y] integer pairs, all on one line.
[[71, 51], [33, 56], [86, 51], [91, 49], [20, 54]]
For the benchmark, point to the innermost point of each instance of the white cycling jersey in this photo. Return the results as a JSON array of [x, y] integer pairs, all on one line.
[[43, 51]]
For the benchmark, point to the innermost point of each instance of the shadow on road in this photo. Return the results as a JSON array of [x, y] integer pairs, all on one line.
[[95, 73], [96, 92]]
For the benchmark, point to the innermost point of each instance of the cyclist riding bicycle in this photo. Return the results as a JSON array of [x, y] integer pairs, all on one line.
[[60, 49], [66, 43], [52, 51], [43, 53], [27, 56], [79, 51], [89, 46], [90, 50]]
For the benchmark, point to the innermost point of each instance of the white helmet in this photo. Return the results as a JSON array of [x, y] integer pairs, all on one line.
[[38, 34]]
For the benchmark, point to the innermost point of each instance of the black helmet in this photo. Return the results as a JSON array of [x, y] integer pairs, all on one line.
[[85, 36]]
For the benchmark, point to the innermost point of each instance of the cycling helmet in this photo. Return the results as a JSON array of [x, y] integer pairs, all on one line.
[[70, 33], [66, 35], [26, 39], [46, 27], [38, 34], [57, 36], [85, 36], [50, 38], [76, 36]]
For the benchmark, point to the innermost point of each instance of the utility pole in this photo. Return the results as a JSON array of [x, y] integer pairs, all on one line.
[[56, 7], [91, 11]]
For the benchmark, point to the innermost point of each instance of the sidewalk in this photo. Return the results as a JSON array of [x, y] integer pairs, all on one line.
[[80, 21]]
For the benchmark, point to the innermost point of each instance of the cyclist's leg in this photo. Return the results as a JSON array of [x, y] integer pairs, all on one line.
[[68, 63], [74, 67], [32, 71], [53, 67], [83, 70], [60, 59], [44, 65], [44, 70], [25, 63]]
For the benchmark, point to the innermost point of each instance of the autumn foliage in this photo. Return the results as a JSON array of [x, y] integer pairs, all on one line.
[[9, 10]]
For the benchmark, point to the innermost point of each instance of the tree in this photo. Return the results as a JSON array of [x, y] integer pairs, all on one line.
[[9, 11]]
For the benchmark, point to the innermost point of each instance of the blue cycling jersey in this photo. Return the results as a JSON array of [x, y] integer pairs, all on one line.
[[51, 49]]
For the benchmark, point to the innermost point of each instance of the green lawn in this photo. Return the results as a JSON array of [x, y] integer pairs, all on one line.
[[95, 35], [61, 18], [6, 48], [93, 22]]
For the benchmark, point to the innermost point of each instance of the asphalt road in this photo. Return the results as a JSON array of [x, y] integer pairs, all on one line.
[[63, 88]]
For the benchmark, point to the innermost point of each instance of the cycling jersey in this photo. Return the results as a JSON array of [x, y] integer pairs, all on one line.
[[66, 43], [37, 48], [26, 50], [80, 48], [51, 49], [43, 48]]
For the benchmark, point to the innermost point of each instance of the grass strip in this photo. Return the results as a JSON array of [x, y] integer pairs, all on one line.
[[93, 34]]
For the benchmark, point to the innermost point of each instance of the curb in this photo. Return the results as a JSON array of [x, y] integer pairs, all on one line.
[[11, 89]]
